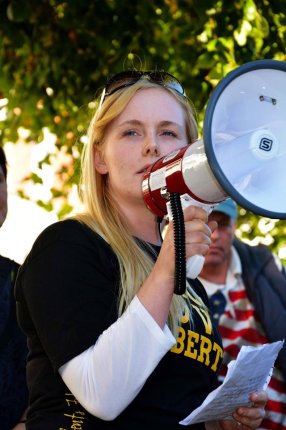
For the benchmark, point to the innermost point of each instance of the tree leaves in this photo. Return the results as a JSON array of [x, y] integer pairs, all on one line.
[[56, 55]]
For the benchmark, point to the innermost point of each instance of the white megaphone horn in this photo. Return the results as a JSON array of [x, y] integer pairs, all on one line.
[[242, 154]]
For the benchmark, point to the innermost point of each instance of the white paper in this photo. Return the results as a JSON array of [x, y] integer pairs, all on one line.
[[249, 373]]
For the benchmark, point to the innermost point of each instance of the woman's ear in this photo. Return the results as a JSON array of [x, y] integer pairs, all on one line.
[[99, 162]]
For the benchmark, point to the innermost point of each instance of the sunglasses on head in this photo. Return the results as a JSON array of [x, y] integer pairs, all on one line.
[[128, 78]]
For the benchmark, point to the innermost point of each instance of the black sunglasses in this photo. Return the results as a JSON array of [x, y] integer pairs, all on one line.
[[128, 78]]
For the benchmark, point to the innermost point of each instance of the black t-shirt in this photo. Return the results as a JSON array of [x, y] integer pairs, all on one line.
[[66, 295], [13, 351]]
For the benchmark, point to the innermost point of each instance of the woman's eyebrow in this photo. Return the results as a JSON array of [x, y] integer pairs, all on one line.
[[164, 123], [167, 123], [130, 122]]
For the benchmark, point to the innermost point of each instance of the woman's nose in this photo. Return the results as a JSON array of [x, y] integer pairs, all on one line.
[[151, 147]]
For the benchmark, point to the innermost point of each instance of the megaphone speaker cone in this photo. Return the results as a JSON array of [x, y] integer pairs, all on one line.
[[245, 136]]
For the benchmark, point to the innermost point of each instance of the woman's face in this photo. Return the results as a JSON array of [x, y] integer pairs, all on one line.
[[151, 126]]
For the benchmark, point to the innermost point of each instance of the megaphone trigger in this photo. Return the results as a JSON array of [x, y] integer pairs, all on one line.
[[187, 200], [194, 265]]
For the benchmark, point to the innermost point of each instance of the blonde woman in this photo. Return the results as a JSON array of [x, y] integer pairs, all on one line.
[[111, 345]]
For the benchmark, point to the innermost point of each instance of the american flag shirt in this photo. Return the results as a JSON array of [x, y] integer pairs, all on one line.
[[239, 325]]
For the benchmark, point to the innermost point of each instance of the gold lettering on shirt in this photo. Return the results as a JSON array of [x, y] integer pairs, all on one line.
[[193, 339], [76, 417], [179, 348], [203, 313], [205, 349], [198, 346], [219, 354]]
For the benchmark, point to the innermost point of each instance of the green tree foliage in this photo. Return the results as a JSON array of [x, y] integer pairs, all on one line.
[[55, 57]]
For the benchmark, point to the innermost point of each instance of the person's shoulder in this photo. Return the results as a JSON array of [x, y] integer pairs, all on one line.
[[261, 249], [8, 264], [260, 254], [61, 227], [62, 234], [68, 230]]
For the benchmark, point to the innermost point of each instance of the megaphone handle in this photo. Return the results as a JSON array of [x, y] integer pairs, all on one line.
[[194, 264], [176, 211]]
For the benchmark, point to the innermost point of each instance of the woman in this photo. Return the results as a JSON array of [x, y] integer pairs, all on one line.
[[96, 293]]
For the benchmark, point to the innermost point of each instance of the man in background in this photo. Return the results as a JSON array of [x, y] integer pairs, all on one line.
[[13, 348], [247, 291]]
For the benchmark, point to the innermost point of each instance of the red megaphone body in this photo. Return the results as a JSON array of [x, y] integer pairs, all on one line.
[[185, 171]]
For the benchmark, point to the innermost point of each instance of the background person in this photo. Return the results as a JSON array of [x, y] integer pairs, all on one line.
[[96, 293], [247, 288], [13, 348]]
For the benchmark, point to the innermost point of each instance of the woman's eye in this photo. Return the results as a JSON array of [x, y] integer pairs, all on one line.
[[169, 133], [130, 133]]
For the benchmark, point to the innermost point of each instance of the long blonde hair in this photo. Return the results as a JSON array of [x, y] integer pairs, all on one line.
[[101, 213]]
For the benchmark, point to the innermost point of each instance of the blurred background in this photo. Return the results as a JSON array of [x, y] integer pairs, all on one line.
[[55, 58]]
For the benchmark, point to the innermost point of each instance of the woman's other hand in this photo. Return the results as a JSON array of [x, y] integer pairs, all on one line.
[[247, 417]]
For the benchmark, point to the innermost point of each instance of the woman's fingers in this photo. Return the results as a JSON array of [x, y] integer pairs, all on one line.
[[252, 416], [195, 212], [197, 231]]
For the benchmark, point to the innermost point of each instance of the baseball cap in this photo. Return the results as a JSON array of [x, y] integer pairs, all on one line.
[[227, 207]]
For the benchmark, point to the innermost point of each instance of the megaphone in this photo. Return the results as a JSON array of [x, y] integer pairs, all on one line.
[[243, 151]]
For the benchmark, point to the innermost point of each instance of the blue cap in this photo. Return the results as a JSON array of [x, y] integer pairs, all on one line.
[[227, 207]]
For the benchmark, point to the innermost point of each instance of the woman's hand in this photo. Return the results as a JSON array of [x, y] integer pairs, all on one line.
[[157, 290], [247, 417], [198, 231], [197, 237]]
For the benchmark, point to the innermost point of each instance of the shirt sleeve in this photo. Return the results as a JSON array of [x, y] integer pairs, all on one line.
[[67, 291], [107, 376]]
